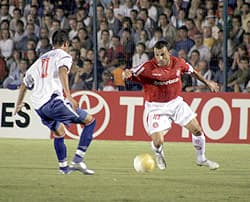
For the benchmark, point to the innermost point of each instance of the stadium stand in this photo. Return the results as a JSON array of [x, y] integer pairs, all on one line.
[[26, 27]]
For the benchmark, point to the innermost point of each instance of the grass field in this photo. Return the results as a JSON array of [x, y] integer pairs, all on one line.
[[28, 172]]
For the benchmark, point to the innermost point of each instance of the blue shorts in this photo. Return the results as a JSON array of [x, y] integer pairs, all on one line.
[[57, 111]]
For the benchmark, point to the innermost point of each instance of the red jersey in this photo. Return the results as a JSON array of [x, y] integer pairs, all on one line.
[[161, 84]]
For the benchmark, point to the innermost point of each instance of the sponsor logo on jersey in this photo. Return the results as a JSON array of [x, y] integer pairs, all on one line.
[[162, 83]]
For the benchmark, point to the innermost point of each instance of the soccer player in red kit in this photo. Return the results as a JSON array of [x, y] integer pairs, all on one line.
[[161, 80]]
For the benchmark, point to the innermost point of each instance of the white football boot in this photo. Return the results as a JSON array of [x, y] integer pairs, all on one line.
[[159, 157], [207, 163], [82, 167]]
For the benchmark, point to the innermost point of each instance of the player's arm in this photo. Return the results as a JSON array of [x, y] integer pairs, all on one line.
[[63, 75], [19, 103], [213, 86]]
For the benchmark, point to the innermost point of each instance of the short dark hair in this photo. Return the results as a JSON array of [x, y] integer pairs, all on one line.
[[59, 37], [161, 44]]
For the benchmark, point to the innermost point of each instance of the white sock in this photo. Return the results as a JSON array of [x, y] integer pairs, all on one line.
[[199, 144], [155, 149]]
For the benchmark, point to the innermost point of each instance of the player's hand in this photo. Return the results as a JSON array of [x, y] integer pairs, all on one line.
[[18, 108], [73, 102], [127, 74], [213, 86]]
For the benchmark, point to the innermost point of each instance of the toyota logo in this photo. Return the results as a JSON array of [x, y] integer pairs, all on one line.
[[84, 98]]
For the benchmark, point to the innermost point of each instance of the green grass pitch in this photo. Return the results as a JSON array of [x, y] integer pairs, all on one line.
[[28, 172]]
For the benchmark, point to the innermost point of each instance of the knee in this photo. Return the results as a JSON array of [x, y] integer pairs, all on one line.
[[59, 132], [89, 119]]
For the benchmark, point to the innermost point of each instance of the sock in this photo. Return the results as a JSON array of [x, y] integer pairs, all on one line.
[[199, 144], [61, 151], [155, 149], [85, 140]]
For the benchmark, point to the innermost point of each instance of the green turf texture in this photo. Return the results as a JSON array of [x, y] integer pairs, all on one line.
[[28, 172]]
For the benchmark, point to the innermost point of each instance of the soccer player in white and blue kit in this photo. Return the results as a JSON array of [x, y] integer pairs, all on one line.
[[47, 78]]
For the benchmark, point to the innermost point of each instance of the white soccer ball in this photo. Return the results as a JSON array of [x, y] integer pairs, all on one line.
[[144, 163]]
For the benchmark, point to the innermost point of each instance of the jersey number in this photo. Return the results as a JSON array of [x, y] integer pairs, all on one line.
[[45, 64]]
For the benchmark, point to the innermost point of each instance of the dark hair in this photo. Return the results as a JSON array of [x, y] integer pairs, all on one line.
[[59, 37], [161, 44]]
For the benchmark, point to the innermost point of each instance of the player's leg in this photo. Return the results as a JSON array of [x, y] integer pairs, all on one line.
[[199, 143], [157, 147], [46, 114], [85, 138], [61, 149], [185, 117]]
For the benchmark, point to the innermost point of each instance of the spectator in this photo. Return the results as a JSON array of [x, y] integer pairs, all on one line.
[[219, 74], [144, 38], [19, 33], [105, 41], [45, 46], [193, 8], [138, 29], [85, 39], [208, 39], [115, 52], [60, 15], [84, 77], [236, 33], [3, 69], [218, 48], [31, 56], [150, 24], [204, 70], [127, 7], [180, 19], [200, 18], [107, 83], [14, 61], [113, 23], [4, 12], [17, 15], [205, 53], [6, 44], [129, 46], [134, 16], [73, 28], [14, 80], [158, 35], [168, 30], [99, 66], [22, 44], [75, 42], [238, 80], [241, 51], [246, 41], [82, 16], [118, 75], [103, 26], [139, 56], [245, 15], [191, 27], [194, 58], [183, 41], [148, 6]]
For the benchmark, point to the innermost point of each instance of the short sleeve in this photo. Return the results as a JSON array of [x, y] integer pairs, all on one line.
[[186, 67], [66, 60]]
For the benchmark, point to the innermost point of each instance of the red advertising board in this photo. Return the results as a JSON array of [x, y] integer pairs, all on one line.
[[224, 117]]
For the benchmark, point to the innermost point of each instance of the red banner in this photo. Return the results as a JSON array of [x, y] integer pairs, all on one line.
[[224, 117]]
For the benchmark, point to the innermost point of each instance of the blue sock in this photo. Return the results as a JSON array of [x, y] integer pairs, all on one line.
[[85, 140], [61, 149]]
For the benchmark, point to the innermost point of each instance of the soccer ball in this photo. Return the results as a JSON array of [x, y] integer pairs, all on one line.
[[144, 163]]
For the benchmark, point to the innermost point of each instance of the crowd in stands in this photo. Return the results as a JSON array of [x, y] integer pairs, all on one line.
[[127, 32]]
